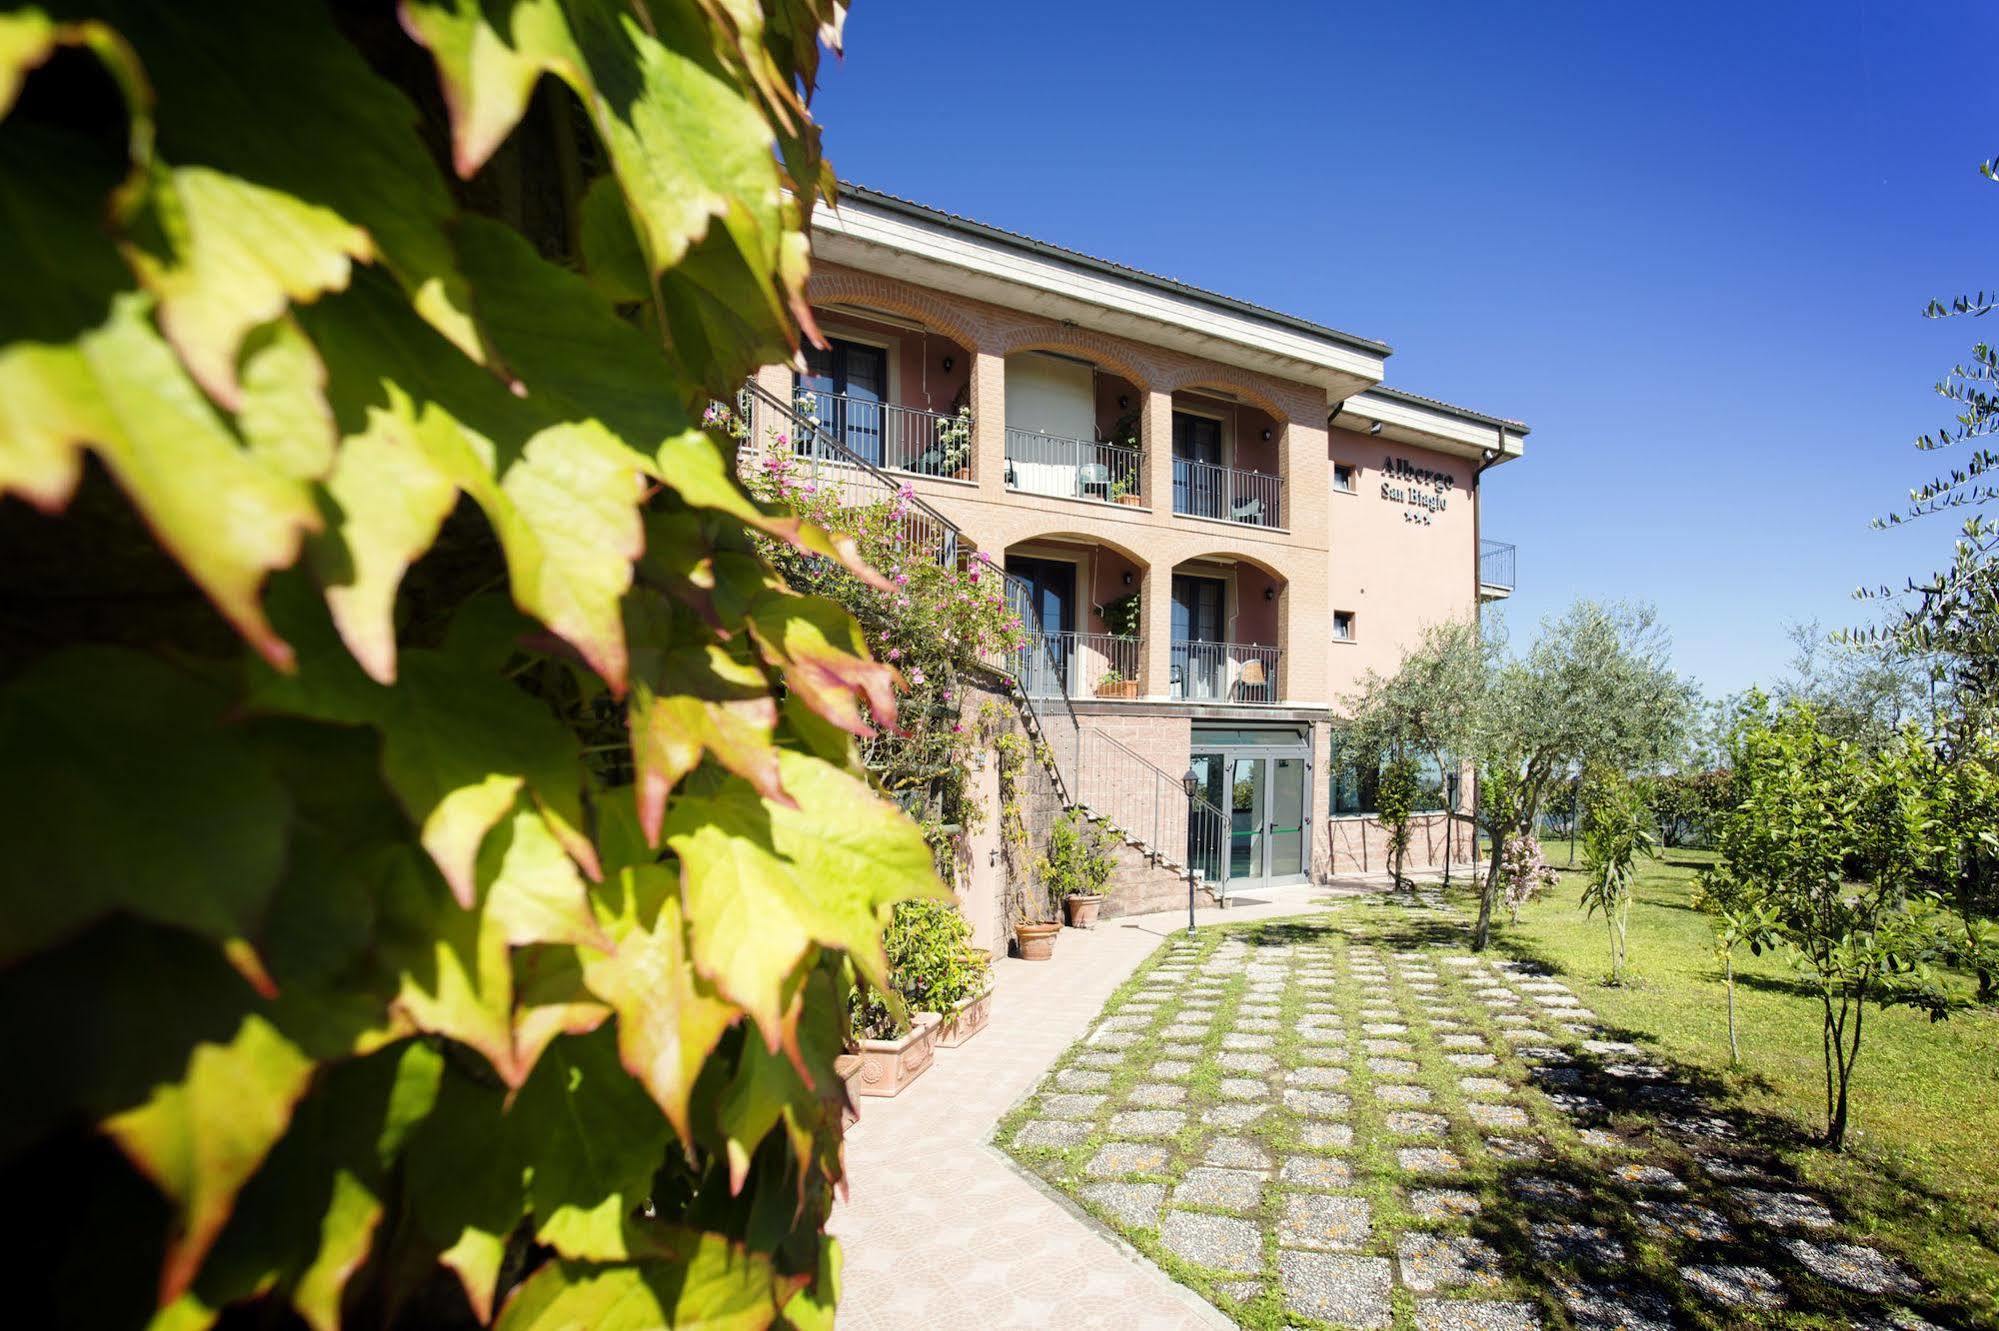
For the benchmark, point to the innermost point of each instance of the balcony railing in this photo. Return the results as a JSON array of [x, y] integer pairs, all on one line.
[[1081, 665], [898, 438], [1206, 490], [1495, 565], [1226, 671], [1047, 464]]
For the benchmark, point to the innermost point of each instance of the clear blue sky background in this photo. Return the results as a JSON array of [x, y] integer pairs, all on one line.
[[1689, 244]]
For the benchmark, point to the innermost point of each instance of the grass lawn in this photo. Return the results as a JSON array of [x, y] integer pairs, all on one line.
[[1920, 1176]]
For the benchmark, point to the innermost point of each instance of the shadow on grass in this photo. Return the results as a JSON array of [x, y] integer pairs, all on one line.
[[1693, 1179]]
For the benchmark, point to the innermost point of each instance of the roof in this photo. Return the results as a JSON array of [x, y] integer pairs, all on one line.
[[1462, 413], [1124, 272]]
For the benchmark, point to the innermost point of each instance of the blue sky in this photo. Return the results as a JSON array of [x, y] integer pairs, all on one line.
[[1688, 244]]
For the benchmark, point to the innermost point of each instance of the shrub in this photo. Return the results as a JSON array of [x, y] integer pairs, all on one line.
[[1616, 830], [1078, 861], [1527, 874]]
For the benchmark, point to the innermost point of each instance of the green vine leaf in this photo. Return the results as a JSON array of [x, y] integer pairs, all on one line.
[[764, 884], [709, 1283]]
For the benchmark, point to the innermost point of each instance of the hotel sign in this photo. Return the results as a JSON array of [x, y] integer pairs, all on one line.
[[1423, 492]]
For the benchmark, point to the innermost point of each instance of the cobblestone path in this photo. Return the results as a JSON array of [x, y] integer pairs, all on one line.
[[1311, 1126]]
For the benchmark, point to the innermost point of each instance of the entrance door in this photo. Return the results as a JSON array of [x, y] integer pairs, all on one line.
[[1197, 470], [849, 382], [1051, 587], [1199, 608], [1247, 842], [1284, 821]]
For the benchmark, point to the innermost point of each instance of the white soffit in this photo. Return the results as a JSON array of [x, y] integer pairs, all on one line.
[[1429, 427], [878, 241]]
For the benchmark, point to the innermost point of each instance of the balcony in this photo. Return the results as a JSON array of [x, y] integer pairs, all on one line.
[[894, 438], [1233, 672], [1046, 464], [1495, 570], [1081, 665], [1229, 494]]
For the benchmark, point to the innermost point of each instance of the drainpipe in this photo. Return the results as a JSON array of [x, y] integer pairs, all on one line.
[[1487, 458]]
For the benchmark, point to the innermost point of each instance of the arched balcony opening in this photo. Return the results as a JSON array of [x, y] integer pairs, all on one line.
[[1086, 631], [1228, 458], [892, 390], [1072, 429], [1227, 631]]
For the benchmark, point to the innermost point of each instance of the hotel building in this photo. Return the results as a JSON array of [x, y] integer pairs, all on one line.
[[1220, 516]]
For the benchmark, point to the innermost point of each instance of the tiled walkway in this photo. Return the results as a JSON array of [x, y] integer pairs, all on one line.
[[942, 1231], [1350, 1121]]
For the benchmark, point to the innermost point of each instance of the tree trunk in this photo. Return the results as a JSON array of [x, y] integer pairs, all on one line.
[[1734, 1050], [1481, 933]]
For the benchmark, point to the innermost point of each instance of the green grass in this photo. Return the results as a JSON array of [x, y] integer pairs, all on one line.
[[1920, 1176]]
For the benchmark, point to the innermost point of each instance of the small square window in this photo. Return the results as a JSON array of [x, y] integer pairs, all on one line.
[[1342, 626], [1344, 476]]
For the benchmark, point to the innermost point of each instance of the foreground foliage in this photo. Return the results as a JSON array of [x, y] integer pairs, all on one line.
[[477, 948]]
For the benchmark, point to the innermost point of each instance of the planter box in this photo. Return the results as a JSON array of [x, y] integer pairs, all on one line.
[[1037, 941], [889, 1065], [964, 1021], [849, 1067], [1124, 688], [1132, 501]]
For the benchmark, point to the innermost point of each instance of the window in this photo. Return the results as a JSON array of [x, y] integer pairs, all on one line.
[[1342, 626], [1356, 783], [1344, 474]]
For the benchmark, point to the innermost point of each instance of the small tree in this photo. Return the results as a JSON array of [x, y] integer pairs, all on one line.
[[1834, 842], [1616, 830], [1395, 804], [1739, 917]]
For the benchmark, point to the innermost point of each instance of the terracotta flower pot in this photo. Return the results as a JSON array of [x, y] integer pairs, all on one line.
[[1083, 908], [889, 1065], [965, 1020], [1037, 940], [1123, 688], [1132, 501]]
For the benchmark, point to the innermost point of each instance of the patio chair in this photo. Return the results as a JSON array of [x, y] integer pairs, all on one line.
[[1249, 510], [1250, 684], [1094, 478]]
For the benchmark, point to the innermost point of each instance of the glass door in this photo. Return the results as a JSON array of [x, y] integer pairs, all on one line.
[[849, 384], [1206, 842], [1051, 586], [1199, 606], [1197, 472], [1285, 823], [1246, 820]]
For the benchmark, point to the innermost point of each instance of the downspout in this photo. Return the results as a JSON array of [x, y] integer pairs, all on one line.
[[1487, 458]]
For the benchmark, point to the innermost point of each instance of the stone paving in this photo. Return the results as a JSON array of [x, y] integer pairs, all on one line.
[[1330, 1124]]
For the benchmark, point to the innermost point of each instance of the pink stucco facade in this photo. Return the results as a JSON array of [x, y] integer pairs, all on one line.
[[1371, 520]]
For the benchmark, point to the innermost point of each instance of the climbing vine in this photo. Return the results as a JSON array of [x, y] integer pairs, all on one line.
[[442, 840]]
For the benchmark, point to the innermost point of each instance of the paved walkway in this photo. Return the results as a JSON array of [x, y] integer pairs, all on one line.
[[940, 1230]]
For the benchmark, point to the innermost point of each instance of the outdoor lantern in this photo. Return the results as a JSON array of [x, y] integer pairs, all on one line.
[[1191, 783], [949, 361], [1266, 434], [1270, 591], [1451, 791]]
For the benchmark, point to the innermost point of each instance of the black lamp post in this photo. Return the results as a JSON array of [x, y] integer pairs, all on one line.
[[1450, 822], [1191, 783]]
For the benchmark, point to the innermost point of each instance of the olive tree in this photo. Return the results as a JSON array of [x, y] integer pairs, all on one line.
[[1595, 689]]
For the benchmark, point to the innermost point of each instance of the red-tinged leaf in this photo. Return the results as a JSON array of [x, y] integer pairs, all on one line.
[[551, 999], [669, 1017], [200, 1138], [819, 647], [452, 972], [763, 884]]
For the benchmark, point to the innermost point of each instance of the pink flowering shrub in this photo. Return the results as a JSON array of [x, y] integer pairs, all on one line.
[[1525, 871]]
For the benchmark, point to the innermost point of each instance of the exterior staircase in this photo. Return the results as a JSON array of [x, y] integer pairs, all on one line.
[[1097, 775]]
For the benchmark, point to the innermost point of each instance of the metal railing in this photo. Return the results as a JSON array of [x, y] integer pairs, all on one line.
[[1495, 564], [1115, 770], [1226, 671], [1047, 464], [1082, 665], [1144, 801], [779, 435], [896, 438], [1206, 490]]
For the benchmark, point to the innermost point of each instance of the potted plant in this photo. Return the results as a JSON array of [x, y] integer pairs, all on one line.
[[1076, 867], [937, 971], [1124, 490], [1115, 684], [892, 1048], [954, 443]]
